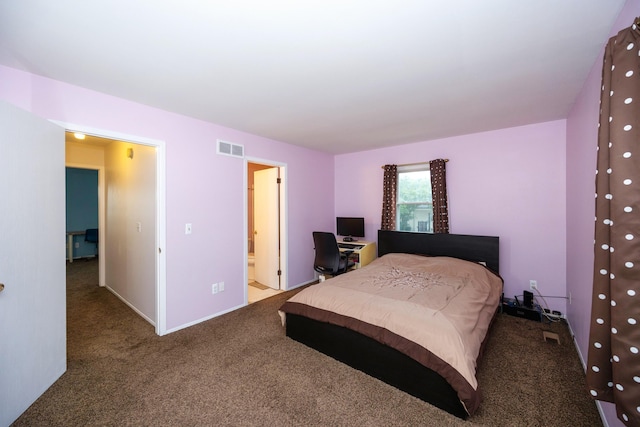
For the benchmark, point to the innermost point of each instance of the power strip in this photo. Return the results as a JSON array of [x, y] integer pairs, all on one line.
[[552, 314]]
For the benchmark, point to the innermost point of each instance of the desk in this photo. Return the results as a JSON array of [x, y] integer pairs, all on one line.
[[363, 252], [70, 235]]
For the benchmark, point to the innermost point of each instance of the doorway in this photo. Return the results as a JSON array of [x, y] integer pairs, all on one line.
[[81, 212], [265, 214], [131, 260]]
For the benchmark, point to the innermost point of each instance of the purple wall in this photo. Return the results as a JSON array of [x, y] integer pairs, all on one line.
[[508, 183], [582, 134], [202, 188]]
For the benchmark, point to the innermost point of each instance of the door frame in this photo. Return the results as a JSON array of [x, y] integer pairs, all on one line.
[[161, 269], [284, 203]]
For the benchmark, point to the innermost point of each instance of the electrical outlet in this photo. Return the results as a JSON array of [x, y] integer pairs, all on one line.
[[533, 284], [214, 288]]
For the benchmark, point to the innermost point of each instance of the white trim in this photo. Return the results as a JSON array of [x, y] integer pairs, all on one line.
[[220, 313], [584, 367], [308, 282], [161, 239], [245, 234], [573, 337], [71, 127], [132, 307], [602, 417], [161, 276], [284, 229], [204, 319]]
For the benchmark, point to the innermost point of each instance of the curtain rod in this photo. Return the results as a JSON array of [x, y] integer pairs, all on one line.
[[415, 164]]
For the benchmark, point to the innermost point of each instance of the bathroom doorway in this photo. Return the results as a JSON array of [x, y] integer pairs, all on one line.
[[264, 230]]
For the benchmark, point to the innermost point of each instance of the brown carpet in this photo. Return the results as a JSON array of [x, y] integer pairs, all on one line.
[[239, 369]]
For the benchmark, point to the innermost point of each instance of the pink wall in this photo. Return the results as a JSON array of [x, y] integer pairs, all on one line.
[[202, 188], [582, 134], [508, 183]]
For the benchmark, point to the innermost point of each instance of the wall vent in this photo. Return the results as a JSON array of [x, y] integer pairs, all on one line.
[[230, 149]]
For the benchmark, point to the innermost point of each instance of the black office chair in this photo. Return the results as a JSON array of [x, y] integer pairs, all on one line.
[[91, 236], [329, 260]]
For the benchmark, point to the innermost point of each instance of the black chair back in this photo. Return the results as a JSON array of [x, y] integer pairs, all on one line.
[[328, 258], [327, 253], [91, 235]]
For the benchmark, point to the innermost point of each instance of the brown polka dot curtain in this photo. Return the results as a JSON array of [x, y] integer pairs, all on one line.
[[389, 196], [613, 366], [439, 196]]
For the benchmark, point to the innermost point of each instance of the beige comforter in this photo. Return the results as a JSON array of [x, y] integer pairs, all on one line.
[[444, 305]]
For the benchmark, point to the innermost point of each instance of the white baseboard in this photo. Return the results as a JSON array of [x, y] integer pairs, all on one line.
[[584, 367], [220, 313], [141, 314], [302, 284], [204, 319]]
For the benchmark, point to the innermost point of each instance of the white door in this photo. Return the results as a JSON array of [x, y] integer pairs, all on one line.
[[32, 259], [267, 232]]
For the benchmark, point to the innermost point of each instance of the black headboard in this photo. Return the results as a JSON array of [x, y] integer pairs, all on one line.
[[471, 248]]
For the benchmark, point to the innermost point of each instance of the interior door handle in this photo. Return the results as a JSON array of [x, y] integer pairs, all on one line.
[[1, 287]]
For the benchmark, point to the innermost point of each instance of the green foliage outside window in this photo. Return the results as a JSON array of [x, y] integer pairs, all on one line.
[[414, 193]]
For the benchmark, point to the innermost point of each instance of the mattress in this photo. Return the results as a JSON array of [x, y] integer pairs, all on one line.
[[436, 310]]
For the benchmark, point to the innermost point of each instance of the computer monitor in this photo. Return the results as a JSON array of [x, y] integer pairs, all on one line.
[[349, 227]]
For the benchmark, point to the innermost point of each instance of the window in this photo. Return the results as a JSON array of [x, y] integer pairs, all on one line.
[[414, 207]]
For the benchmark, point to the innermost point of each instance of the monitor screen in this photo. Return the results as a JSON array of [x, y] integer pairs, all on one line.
[[350, 227]]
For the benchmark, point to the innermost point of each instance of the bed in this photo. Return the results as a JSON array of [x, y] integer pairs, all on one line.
[[416, 322]]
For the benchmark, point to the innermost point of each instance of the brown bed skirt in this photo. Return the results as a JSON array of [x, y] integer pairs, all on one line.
[[365, 352]]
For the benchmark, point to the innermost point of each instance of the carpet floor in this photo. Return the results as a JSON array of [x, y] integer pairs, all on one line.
[[239, 369]]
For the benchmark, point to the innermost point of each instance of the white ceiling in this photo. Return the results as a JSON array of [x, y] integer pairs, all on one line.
[[335, 75]]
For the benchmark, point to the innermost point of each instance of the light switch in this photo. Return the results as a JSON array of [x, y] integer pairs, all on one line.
[[187, 228]]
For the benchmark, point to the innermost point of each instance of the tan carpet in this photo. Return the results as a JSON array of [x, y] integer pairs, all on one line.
[[259, 286], [257, 292], [239, 369]]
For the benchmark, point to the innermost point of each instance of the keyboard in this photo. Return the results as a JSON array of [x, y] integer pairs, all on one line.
[[349, 246]]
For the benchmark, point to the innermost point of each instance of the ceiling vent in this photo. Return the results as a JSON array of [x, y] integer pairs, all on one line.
[[230, 149]]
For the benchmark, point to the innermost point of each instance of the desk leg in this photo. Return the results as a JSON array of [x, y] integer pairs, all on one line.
[[70, 247]]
